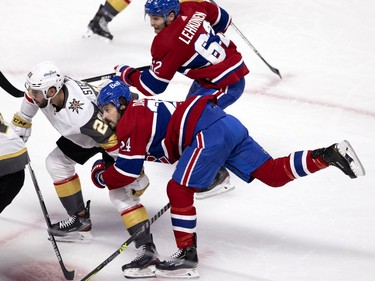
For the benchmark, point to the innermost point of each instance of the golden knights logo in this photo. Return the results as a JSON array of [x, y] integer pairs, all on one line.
[[75, 105]]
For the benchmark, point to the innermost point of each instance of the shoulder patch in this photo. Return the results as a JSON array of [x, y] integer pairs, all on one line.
[[75, 105]]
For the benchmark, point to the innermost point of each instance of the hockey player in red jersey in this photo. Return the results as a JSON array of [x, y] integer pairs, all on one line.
[[190, 39], [202, 138]]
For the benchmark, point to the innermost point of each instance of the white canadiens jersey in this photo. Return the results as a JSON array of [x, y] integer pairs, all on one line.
[[13, 153], [78, 119]]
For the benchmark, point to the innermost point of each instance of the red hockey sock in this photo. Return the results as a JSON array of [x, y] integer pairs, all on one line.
[[183, 213], [280, 171]]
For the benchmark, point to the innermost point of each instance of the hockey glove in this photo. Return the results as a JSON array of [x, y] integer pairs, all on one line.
[[140, 185], [96, 173], [123, 74], [21, 125]]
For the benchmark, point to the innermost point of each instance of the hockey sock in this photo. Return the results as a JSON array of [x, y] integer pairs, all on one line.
[[280, 171], [116, 6], [183, 213], [70, 194], [134, 218]]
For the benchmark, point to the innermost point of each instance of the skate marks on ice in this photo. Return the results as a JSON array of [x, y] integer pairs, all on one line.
[[207, 270], [271, 89], [22, 229], [18, 260]]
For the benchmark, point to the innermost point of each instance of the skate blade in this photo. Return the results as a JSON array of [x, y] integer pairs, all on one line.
[[221, 188], [183, 273], [347, 151], [90, 34], [76, 237], [136, 273]]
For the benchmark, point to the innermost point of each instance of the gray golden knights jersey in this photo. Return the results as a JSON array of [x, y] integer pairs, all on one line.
[[79, 119], [13, 153]]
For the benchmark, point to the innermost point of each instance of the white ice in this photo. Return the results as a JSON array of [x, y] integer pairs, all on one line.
[[318, 228]]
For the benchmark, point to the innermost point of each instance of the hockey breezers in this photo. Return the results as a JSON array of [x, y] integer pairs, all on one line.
[[69, 275], [126, 243]]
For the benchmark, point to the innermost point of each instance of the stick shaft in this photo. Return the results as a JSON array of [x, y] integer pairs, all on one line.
[[69, 275]]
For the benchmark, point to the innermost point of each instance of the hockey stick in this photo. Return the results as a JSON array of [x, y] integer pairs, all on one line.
[[274, 70], [9, 88], [126, 243], [110, 75], [69, 275]]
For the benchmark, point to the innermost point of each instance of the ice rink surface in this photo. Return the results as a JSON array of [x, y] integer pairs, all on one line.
[[318, 228]]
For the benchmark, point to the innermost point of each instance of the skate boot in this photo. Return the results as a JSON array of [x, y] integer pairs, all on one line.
[[99, 24], [342, 156], [143, 266], [182, 264], [74, 229], [220, 185]]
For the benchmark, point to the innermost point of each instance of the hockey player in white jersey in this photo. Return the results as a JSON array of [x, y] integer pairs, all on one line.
[[70, 107], [13, 158]]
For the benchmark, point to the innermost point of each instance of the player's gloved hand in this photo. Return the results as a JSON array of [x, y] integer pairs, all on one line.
[[140, 185], [96, 173], [123, 73], [21, 125]]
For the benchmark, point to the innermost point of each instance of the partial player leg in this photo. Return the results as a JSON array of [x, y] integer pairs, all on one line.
[[77, 227], [134, 215], [10, 186], [183, 263], [99, 24], [280, 171]]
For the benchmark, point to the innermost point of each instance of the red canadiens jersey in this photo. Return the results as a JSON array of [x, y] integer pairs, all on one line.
[[194, 45], [154, 130]]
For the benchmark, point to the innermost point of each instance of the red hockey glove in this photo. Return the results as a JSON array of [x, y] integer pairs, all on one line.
[[123, 73], [96, 173]]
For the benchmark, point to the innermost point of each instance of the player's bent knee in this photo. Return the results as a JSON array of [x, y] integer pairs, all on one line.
[[123, 199]]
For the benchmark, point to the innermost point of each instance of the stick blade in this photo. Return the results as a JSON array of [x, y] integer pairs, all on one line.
[[69, 275], [276, 71]]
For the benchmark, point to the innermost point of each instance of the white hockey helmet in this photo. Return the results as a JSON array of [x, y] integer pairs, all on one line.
[[44, 76]]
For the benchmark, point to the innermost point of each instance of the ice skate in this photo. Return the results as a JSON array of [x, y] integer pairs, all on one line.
[[74, 229], [143, 266], [220, 185], [181, 265], [98, 26], [342, 156]]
